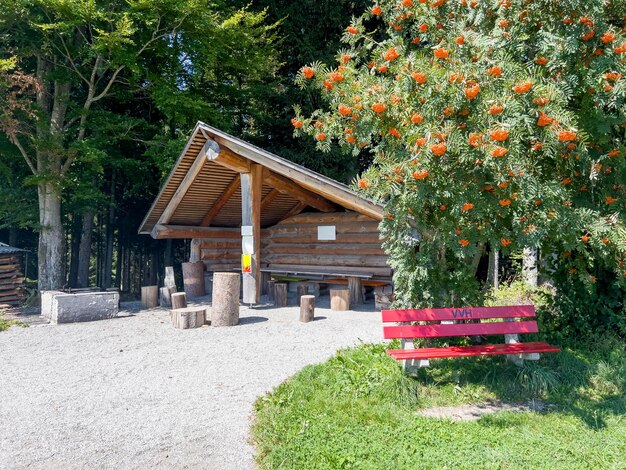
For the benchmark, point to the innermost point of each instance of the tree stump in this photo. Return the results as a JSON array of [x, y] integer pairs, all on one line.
[[271, 290], [169, 280], [303, 289], [355, 286], [189, 317], [193, 279], [339, 299], [265, 278], [281, 294], [383, 296], [149, 296], [226, 289], [165, 299], [307, 308], [179, 300]]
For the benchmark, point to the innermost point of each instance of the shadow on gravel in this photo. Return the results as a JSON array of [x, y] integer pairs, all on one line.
[[251, 320]]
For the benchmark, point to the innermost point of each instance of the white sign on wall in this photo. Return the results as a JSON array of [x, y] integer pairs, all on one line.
[[326, 232]]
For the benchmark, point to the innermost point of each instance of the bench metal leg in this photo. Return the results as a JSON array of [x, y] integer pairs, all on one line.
[[517, 359], [411, 366]]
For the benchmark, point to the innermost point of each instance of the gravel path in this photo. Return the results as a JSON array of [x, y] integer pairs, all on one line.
[[134, 392]]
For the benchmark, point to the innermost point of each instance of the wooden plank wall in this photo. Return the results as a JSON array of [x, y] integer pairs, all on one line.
[[294, 242]]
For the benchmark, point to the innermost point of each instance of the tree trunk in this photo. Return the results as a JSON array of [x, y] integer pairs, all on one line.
[[110, 232], [74, 248], [492, 274], [529, 266], [84, 256], [13, 237], [51, 239]]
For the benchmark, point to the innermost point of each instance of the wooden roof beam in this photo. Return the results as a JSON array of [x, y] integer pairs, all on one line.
[[210, 148], [299, 207], [287, 186], [269, 198], [227, 159], [191, 231], [221, 202]]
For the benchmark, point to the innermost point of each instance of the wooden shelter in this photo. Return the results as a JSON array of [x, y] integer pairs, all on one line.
[[12, 291], [249, 210]]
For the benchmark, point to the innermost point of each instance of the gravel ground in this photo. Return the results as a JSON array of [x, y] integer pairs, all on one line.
[[134, 392]]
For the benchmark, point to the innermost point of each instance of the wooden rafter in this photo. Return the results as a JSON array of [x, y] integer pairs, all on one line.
[[221, 202], [299, 207], [209, 148], [287, 186], [269, 198]]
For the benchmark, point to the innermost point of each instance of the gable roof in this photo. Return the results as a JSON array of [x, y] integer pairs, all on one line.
[[203, 187]]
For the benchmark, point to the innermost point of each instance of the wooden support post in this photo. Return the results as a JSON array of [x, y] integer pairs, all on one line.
[[251, 187], [355, 286], [271, 291], [339, 299], [225, 302], [281, 294], [307, 308], [302, 289], [149, 296], [179, 300], [189, 317], [193, 279]]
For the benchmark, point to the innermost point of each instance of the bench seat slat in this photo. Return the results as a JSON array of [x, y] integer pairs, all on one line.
[[460, 329], [464, 313], [467, 351]]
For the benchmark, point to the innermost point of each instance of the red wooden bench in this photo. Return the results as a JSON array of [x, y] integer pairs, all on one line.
[[514, 320]]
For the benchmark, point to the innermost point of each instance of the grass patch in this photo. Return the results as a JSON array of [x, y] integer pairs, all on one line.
[[5, 323], [357, 410]]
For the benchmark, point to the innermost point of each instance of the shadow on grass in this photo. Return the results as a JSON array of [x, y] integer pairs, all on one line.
[[589, 385]]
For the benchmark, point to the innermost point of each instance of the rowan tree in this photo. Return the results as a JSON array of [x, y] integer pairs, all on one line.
[[490, 122]]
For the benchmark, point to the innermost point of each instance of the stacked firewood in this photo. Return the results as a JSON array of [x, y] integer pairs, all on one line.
[[12, 290]]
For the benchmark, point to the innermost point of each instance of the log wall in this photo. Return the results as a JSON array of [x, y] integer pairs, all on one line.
[[221, 252], [294, 243]]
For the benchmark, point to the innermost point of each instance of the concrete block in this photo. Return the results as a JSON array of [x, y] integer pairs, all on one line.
[[62, 307]]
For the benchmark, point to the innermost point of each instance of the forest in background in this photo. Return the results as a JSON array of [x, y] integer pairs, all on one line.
[[229, 64]]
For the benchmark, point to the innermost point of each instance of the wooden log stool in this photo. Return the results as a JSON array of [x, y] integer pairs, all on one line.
[[179, 300], [281, 294], [149, 296], [188, 317], [225, 305], [307, 308], [339, 299], [302, 289], [193, 279], [271, 290]]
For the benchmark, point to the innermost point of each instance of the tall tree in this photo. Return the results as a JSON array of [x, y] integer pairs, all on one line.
[[70, 58], [492, 122]]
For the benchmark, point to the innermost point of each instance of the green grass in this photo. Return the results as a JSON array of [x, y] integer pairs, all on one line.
[[6, 323], [357, 410]]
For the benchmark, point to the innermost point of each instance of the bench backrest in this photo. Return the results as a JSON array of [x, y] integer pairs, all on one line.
[[509, 326]]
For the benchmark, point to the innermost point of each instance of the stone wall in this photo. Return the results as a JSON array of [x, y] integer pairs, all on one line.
[[61, 307]]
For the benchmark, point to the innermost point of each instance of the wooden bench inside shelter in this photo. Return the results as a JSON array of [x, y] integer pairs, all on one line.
[[509, 321]]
